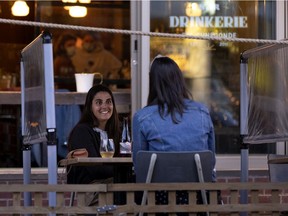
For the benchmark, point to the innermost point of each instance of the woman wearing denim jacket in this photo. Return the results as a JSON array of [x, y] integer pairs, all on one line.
[[171, 121]]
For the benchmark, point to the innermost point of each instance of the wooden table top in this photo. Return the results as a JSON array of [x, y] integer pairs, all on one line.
[[92, 161], [282, 160]]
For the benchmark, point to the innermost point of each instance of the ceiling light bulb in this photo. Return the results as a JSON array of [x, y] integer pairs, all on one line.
[[20, 8], [77, 11]]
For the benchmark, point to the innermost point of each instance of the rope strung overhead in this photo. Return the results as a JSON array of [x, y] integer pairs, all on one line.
[[131, 32]]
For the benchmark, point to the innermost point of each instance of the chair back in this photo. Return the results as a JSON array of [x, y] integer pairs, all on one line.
[[277, 172], [173, 167]]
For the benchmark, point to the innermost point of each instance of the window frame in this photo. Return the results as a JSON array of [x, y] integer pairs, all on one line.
[[141, 59]]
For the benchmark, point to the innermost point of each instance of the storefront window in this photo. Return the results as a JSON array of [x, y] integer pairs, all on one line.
[[110, 54], [211, 67], [113, 14]]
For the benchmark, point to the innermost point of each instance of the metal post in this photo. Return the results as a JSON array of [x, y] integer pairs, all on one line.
[[52, 165], [50, 115], [27, 173], [244, 98]]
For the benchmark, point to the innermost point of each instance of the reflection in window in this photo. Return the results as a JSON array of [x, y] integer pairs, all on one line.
[[100, 52], [211, 68]]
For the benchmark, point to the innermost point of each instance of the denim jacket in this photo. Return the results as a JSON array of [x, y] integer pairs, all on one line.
[[195, 131]]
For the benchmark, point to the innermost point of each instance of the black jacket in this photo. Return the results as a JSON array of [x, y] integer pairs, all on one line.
[[83, 136]]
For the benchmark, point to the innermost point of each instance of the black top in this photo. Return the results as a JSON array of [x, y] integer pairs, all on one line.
[[83, 136]]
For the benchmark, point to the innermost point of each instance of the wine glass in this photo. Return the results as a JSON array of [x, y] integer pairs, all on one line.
[[107, 148]]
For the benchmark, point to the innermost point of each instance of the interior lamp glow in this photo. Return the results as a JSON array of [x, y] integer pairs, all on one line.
[[193, 9], [20, 8], [69, 1], [75, 1], [77, 11], [84, 1]]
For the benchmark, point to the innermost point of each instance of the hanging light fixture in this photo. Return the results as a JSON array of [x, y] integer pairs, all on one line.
[[20, 8], [77, 11]]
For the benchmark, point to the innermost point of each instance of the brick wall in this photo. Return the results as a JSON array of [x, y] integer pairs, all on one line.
[[255, 176]]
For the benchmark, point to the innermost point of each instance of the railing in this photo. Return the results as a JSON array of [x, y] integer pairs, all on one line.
[[273, 206]]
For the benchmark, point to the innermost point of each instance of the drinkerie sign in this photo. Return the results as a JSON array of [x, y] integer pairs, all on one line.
[[208, 21], [211, 25]]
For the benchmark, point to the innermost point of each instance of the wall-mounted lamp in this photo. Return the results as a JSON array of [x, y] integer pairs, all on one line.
[[20, 8], [77, 11]]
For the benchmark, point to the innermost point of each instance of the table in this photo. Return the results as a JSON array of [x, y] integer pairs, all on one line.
[[92, 161], [282, 160], [123, 170]]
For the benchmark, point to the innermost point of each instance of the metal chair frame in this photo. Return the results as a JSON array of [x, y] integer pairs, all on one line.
[[174, 167]]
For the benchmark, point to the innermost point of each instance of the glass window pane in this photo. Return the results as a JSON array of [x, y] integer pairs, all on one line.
[[113, 14], [211, 67], [104, 52]]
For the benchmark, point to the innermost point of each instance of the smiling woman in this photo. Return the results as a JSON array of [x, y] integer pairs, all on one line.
[[99, 121], [102, 108], [99, 118]]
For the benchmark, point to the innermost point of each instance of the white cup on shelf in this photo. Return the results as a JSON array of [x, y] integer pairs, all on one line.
[[84, 81]]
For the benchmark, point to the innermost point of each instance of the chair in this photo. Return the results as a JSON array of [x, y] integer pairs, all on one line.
[[277, 172], [174, 167]]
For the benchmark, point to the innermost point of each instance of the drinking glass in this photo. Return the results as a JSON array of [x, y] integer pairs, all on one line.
[[107, 148]]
